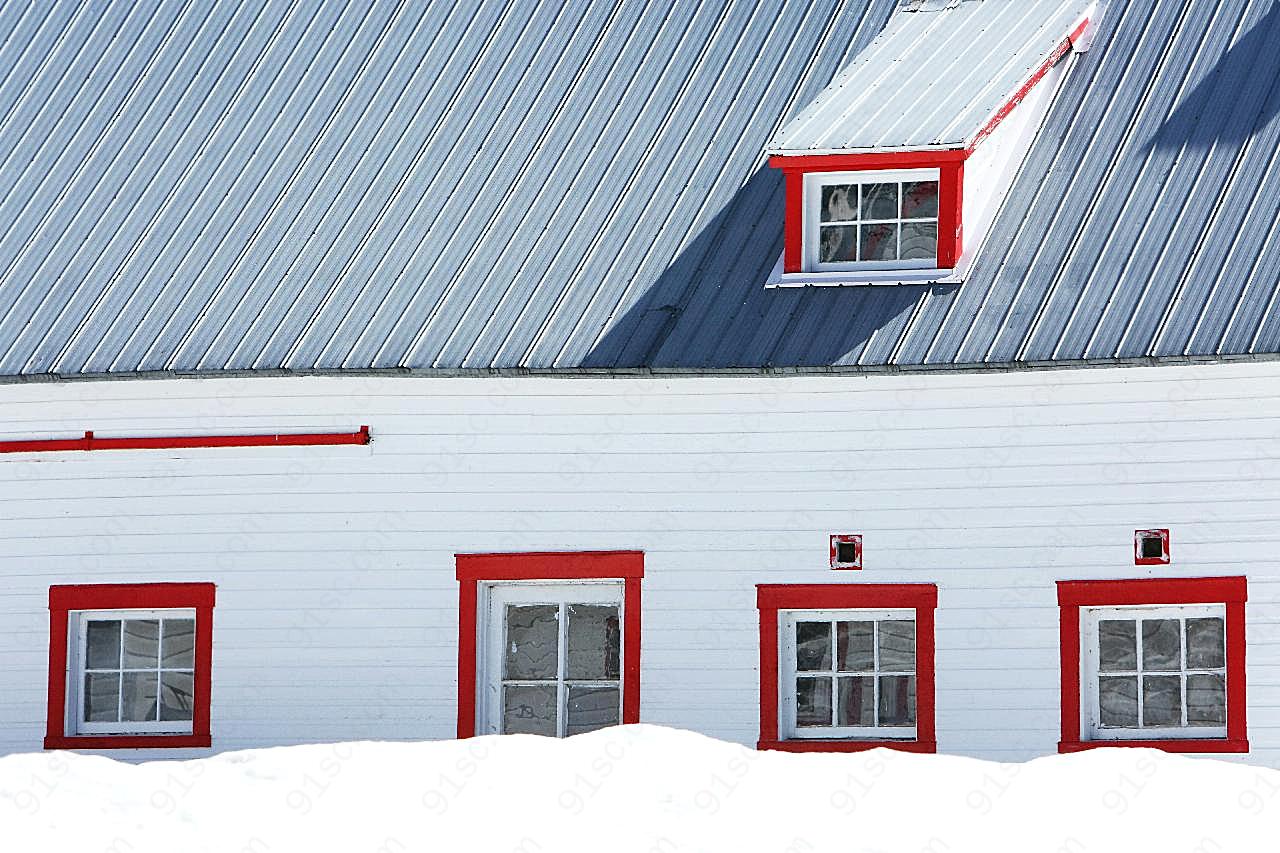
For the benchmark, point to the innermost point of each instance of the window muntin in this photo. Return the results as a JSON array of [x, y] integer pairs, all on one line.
[[848, 673], [133, 672], [555, 659], [1155, 672], [875, 220]]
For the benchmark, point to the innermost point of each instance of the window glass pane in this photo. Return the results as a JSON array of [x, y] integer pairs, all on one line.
[[920, 200], [529, 709], [813, 701], [879, 243], [897, 645], [1118, 701], [1161, 645], [839, 243], [141, 644], [1206, 645], [854, 646], [919, 241], [1117, 645], [1206, 700], [177, 695], [840, 203], [897, 700], [1161, 700], [879, 201], [533, 637], [813, 646], [178, 644], [139, 699], [591, 708], [101, 697], [103, 645], [857, 701], [595, 643]]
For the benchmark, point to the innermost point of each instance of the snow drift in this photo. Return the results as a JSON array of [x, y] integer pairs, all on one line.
[[633, 788]]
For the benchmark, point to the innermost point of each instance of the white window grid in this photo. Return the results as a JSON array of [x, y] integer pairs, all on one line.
[[493, 639], [1090, 669], [813, 224], [788, 673], [78, 646]]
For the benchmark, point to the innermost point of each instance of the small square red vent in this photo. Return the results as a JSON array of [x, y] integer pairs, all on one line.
[[846, 551], [1151, 547]]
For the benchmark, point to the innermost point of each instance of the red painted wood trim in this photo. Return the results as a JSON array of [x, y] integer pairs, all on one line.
[[950, 166], [471, 569], [467, 663], [853, 162], [1108, 593], [1063, 48], [1190, 745], [1231, 591], [151, 596], [770, 598], [91, 442], [1069, 645], [950, 214], [793, 223], [847, 745]]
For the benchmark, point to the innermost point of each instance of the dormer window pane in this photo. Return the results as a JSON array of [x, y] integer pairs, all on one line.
[[839, 243], [879, 201], [879, 242], [840, 203], [919, 240], [920, 200]]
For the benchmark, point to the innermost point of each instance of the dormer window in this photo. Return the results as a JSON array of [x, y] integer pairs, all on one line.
[[895, 173], [871, 220]]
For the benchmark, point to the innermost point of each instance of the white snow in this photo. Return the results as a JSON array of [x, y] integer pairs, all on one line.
[[633, 788]]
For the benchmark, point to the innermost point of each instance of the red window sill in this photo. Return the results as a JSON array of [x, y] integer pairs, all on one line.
[[127, 741], [1168, 745], [928, 746]]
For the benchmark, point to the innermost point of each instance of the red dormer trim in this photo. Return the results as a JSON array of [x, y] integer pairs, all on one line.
[[949, 163], [1063, 48]]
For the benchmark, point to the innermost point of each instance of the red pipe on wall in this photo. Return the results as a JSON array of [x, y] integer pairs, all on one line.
[[89, 442]]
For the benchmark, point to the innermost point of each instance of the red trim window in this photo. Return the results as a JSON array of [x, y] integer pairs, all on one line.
[[873, 212], [846, 667], [130, 666], [548, 643], [1154, 662]]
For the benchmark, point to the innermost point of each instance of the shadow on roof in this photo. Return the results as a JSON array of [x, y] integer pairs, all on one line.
[[1224, 106], [710, 308]]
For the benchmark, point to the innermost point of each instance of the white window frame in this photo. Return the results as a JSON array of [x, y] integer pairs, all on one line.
[[492, 640], [77, 624], [812, 241], [787, 674], [1090, 711]]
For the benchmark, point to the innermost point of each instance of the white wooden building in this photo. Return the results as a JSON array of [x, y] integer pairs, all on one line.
[[885, 373]]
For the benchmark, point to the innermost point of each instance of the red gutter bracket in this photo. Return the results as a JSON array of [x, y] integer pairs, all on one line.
[[90, 442]]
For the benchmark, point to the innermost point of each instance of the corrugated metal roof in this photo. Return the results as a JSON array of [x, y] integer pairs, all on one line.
[[254, 186], [934, 77]]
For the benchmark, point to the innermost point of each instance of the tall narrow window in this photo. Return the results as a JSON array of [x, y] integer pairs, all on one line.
[[549, 644]]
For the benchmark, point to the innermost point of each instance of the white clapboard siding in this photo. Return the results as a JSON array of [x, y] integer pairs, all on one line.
[[337, 604]]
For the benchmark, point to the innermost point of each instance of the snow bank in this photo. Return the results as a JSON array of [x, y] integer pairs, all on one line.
[[633, 788]]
